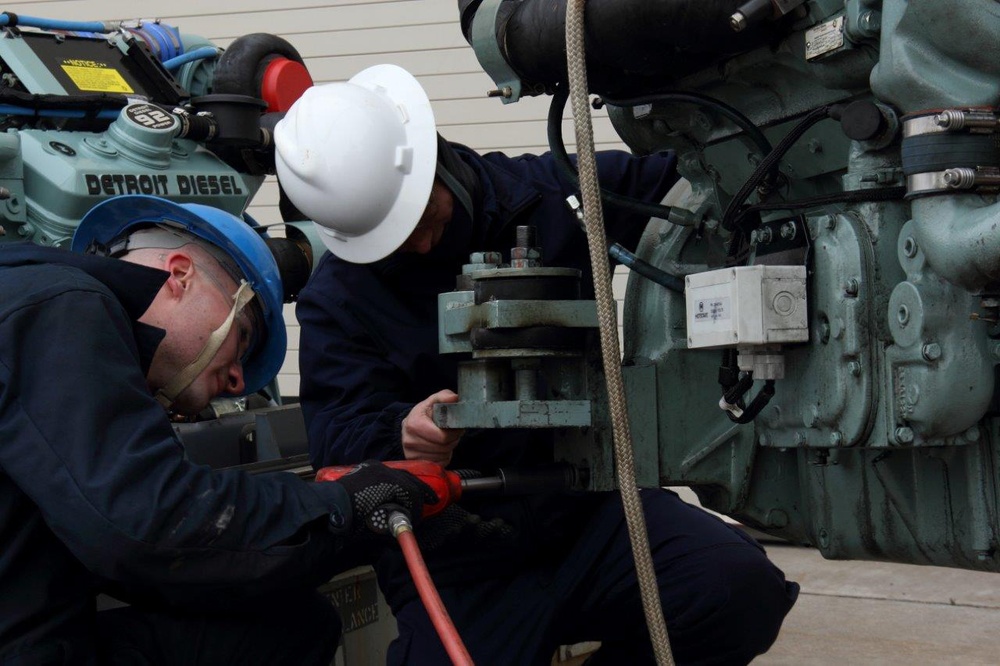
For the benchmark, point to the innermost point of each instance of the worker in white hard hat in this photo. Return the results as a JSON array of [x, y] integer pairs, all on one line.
[[161, 306], [400, 210]]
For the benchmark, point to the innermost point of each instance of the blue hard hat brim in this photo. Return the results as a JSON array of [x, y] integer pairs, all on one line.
[[111, 218]]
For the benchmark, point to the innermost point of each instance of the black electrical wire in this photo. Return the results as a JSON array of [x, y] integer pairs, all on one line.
[[753, 132], [769, 163], [849, 196], [756, 405]]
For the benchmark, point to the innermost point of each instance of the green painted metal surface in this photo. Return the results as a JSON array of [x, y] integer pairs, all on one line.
[[880, 442]]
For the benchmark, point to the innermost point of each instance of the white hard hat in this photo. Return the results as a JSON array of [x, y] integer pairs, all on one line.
[[358, 158]]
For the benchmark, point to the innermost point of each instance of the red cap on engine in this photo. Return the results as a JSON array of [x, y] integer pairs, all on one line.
[[283, 82]]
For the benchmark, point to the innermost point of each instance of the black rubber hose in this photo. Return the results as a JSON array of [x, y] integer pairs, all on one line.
[[646, 269], [558, 148], [242, 65], [632, 45]]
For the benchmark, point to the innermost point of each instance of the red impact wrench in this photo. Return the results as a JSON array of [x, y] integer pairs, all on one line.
[[449, 486]]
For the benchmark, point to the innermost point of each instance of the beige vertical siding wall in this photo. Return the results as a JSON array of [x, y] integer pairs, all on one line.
[[338, 39]]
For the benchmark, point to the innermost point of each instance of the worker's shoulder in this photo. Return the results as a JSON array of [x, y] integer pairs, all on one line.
[[30, 285]]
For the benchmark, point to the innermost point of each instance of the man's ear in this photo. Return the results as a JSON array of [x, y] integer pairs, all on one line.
[[181, 268]]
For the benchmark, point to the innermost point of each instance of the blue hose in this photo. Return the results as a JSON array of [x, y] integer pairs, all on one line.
[[56, 24], [10, 110], [201, 53]]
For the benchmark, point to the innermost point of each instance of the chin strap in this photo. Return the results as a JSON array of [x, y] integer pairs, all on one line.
[[167, 395]]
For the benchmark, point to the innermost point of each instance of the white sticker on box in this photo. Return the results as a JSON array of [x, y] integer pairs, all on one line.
[[709, 311]]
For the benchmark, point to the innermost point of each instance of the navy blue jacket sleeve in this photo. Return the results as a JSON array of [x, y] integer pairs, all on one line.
[[353, 392], [83, 438]]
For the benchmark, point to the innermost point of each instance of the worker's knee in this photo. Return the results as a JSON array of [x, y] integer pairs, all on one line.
[[739, 609], [324, 620]]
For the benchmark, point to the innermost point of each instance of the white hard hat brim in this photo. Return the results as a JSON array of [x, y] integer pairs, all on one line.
[[421, 136]]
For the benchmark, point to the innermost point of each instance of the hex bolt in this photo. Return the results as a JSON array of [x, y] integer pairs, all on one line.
[[788, 230], [854, 368], [869, 22], [824, 331], [852, 287], [831, 222], [904, 435], [931, 351], [836, 439], [972, 434], [910, 247], [500, 92], [5, 194], [764, 235]]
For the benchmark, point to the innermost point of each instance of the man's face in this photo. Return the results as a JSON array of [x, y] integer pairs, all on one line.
[[206, 306], [430, 228]]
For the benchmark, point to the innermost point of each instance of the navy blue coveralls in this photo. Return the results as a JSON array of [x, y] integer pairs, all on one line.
[[96, 495], [369, 352]]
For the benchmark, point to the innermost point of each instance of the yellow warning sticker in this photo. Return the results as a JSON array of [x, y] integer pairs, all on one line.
[[95, 76]]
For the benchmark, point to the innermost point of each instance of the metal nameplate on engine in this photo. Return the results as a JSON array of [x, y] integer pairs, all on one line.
[[824, 38]]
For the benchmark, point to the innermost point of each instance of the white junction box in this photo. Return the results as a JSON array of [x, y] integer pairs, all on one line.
[[745, 306]]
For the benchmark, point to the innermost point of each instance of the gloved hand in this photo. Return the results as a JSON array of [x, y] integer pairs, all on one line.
[[454, 521], [377, 490]]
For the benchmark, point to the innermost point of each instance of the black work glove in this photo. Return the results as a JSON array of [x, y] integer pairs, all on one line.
[[376, 491], [454, 522]]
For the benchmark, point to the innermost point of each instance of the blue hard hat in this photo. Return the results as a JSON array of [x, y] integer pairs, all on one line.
[[111, 219]]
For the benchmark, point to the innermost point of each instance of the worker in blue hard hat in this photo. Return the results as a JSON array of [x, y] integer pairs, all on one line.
[[161, 305]]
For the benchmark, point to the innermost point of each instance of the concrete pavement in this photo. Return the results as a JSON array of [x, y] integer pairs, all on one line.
[[876, 613]]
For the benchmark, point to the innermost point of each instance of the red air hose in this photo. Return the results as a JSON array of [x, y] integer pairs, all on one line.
[[453, 645]]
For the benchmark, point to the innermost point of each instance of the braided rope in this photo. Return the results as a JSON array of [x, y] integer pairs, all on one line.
[[607, 317]]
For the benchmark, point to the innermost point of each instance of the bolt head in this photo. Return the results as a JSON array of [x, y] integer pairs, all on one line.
[[931, 351], [904, 435]]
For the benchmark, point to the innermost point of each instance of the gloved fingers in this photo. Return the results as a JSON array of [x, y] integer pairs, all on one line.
[[455, 522]]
